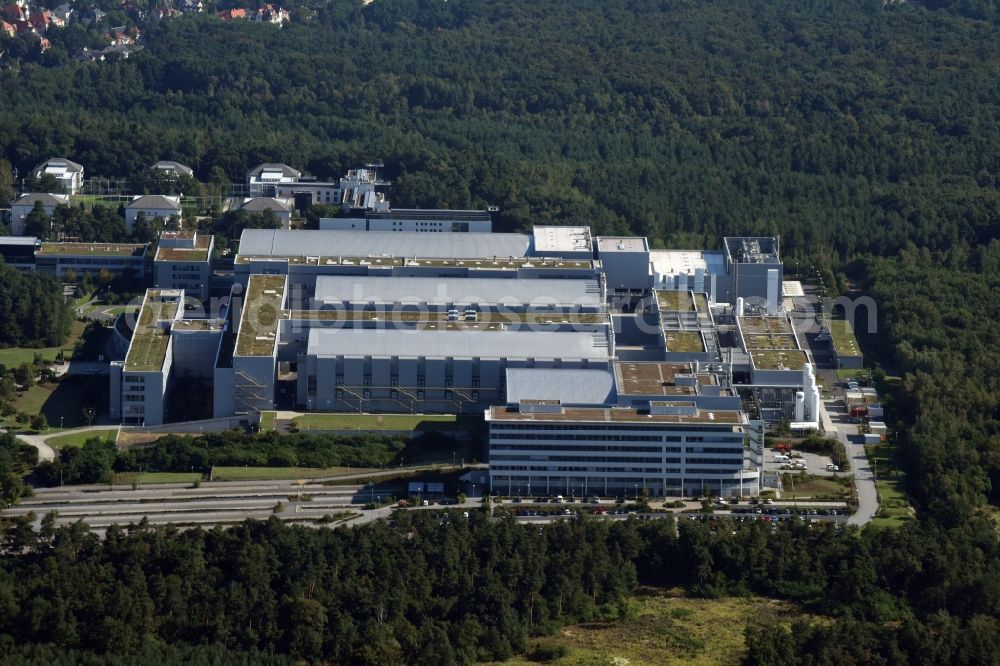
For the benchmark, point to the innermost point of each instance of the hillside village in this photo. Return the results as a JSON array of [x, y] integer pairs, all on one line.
[[31, 32]]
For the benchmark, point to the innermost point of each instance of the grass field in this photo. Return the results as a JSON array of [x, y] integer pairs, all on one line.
[[852, 374], [267, 421], [62, 403], [894, 507], [667, 630], [78, 438], [127, 478], [281, 473], [812, 486], [14, 356], [377, 422]]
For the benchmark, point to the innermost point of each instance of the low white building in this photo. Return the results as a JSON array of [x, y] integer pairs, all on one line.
[[280, 207], [67, 173], [152, 206], [168, 166], [23, 205], [262, 179]]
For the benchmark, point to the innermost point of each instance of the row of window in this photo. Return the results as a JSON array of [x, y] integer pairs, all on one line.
[[591, 459], [497, 425], [652, 477], [583, 447], [589, 437]]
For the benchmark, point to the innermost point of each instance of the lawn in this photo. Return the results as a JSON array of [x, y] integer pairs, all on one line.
[[667, 629], [14, 356], [812, 486], [852, 374], [128, 478], [281, 473], [78, 438], [377, 422], [62, 403], [894, 507], [267, 421]]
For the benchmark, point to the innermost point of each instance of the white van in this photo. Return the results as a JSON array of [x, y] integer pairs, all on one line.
[[781, 458]]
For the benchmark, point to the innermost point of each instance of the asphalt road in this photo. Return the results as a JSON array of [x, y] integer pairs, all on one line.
[[209, 504], [833, 413], [836, 423]]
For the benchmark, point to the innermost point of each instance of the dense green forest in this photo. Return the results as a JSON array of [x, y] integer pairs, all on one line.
[[432, 588], [32, 310], [97, 459], [846, 127], [866, 135]]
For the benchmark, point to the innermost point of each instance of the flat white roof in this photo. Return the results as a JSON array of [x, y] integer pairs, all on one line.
[[304, 243], [791, 289], [463, 343], [567, 385], [685, 262], [561, 239], [622, 244], [472, 291]]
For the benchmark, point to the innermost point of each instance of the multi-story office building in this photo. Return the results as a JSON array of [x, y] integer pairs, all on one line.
[[19, 251], [184, 261], [672, 448], [91, 258], [163, 349]]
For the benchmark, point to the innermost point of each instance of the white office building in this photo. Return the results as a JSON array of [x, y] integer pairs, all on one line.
[[673, 448]]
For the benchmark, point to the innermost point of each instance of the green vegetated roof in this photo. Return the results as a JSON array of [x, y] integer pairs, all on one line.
[[771, 341], [684, 341], [844, 342], [778, 359], [197, 253], [150, 338], [93, 249], [258, 333], [675, 301], [764, 325]]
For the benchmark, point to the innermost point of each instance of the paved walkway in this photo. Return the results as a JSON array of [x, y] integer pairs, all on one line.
[[45, 452]]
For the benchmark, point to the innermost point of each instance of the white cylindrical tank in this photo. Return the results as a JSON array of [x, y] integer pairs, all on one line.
[[800, 406], [814, 404], [739, 306]]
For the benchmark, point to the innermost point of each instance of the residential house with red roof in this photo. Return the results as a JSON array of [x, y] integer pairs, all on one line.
[[233, 14]]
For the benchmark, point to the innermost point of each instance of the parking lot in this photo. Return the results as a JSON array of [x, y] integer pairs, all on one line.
[[815, 464]]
